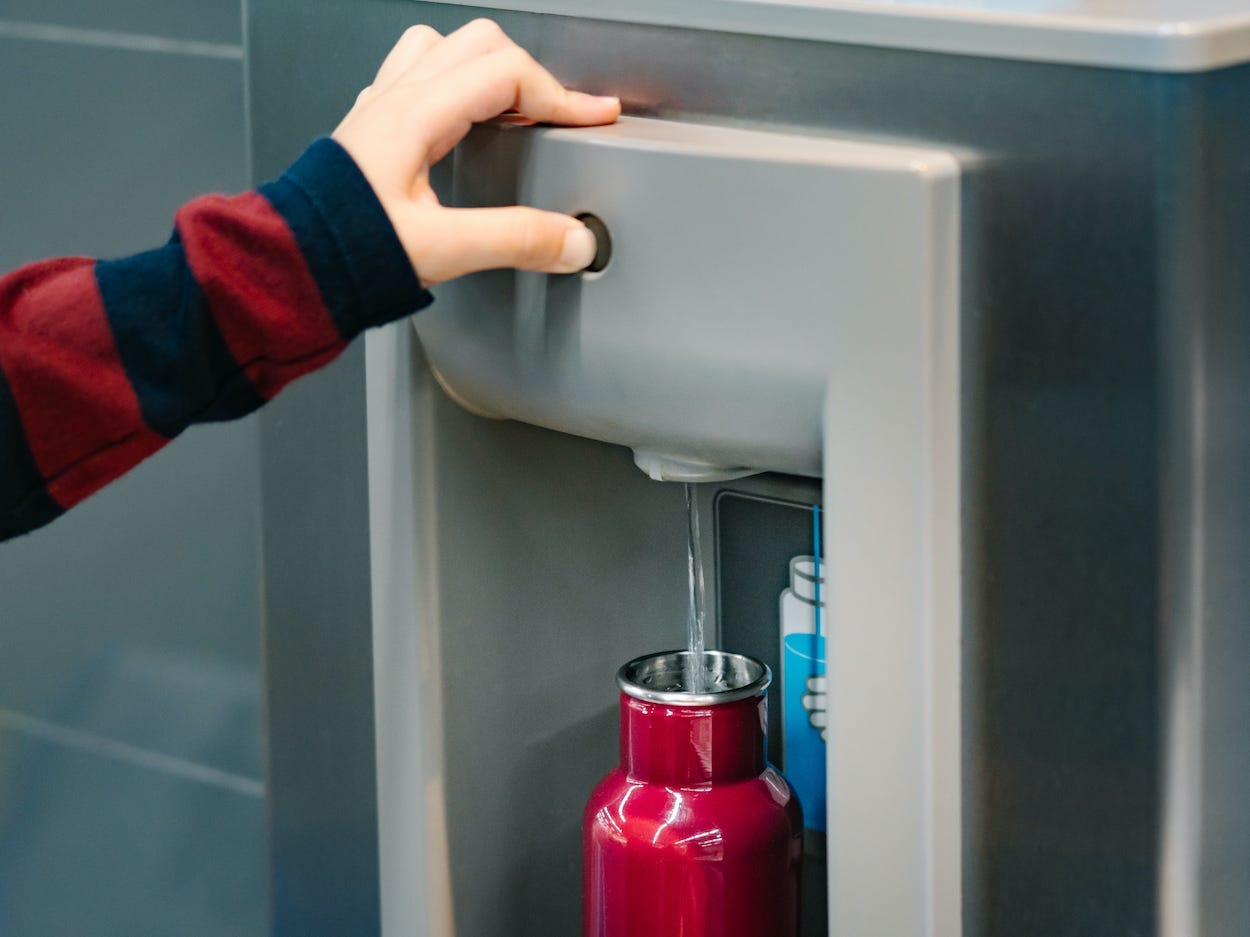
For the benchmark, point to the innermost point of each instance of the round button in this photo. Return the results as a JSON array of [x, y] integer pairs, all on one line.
[[603, 241]]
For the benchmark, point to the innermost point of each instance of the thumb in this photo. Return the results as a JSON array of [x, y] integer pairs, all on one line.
[[450, 242]]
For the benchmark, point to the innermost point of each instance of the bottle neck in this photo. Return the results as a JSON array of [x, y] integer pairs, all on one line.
[[692, 745]]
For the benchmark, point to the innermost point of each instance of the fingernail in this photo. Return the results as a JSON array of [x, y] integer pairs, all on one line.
[[610, 99], [578, 250]]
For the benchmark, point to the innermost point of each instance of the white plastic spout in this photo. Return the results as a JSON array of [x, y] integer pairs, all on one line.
[[665, 468]]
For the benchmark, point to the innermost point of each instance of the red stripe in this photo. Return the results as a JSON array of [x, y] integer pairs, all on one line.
[[79, 412], [257, 283]]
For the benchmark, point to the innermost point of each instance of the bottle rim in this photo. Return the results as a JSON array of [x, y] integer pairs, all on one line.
[[657, 678]]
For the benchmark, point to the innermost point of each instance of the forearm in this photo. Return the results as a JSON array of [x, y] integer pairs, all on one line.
[[102, 363]]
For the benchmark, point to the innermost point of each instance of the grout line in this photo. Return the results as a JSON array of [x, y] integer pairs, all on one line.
[[131, 754], [135, 42]]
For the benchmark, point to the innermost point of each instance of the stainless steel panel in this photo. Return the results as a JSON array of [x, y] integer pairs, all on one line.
[[1203, 589], [318, 671]]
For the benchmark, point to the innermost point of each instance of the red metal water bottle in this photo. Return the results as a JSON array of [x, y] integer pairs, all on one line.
[[694, 835]]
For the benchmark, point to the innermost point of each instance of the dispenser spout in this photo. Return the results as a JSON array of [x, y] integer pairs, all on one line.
[[666, 468]]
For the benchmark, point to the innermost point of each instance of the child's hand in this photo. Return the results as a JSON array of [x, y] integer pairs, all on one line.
[[426, 96]]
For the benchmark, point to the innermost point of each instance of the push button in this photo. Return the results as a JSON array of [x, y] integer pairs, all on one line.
[[603, 241]]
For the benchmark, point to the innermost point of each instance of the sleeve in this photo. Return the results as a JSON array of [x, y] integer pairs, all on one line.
[[103, 362]]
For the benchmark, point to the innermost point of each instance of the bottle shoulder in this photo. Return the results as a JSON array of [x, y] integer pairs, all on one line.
[[731, 815]]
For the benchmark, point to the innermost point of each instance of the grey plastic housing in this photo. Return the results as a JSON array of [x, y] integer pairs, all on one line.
[[773, 302], [1145, 35], [704, 345]]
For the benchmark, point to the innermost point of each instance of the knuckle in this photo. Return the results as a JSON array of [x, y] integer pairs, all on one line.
[[486, 28], [519, 57], [420, 33]]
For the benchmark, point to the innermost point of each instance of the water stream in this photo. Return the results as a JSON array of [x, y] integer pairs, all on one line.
[[696, 677]]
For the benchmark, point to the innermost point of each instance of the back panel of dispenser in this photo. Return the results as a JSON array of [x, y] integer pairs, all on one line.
[[765, 527]]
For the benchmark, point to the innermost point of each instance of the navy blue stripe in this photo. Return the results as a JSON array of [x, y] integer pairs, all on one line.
[[362, 271], [325, 261], [24, 500], [169, 343]]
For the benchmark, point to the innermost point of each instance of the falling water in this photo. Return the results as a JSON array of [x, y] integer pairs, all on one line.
[[696, 678]]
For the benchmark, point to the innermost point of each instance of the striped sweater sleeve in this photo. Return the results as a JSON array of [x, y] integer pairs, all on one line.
[[103, 362]]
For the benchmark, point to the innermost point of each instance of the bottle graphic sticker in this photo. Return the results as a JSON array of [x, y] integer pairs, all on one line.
[[804, 697]]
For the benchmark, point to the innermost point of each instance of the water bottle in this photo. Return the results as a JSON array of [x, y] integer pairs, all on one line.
[[804, 692], [693, 835]]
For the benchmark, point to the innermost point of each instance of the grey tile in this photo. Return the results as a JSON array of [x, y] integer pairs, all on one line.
[[211, 21], [136, 615], [99, 147], [92, 845]]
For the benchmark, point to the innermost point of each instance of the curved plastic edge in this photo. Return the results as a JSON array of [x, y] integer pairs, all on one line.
[[459, 399], [892, 558], [1159, 44]]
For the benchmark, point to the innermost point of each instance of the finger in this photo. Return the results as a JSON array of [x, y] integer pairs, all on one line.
[[413, 46], [818, 684], [507, 79], [478, 38], [453, 242]]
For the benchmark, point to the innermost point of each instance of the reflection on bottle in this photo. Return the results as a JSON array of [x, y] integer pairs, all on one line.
[[804, 707]]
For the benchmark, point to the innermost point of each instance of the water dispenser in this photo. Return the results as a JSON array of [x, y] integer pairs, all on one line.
[[941, 308], [774, 302]]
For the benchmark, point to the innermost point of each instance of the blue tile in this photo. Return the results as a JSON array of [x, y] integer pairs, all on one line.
[[216, 21], [93, 845]]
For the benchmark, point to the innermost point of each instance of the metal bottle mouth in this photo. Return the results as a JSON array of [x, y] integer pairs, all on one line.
[[664, 678]]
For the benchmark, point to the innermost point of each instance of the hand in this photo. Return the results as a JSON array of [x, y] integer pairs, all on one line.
[[427, 95], [816, 702]]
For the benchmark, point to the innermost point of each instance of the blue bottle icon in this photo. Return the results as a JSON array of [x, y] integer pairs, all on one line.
[[804, 707]]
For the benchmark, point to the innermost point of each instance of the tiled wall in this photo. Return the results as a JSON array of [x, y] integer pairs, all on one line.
[[131, 792]]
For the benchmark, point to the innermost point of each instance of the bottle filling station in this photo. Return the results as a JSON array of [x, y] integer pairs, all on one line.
[[944, 310]]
